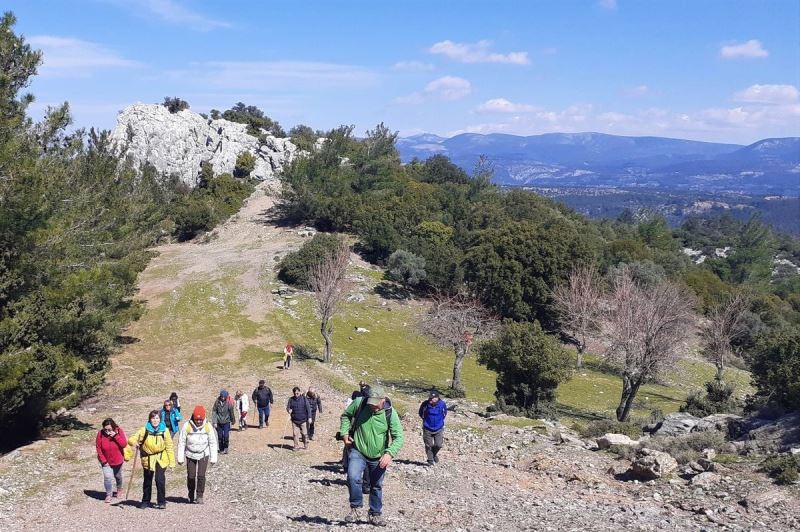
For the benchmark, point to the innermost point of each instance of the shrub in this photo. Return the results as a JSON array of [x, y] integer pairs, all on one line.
[[406, 268], [688, 448], [175, 104], [784, 468], [775, 365], [597, 428], [192, 216], [295, 267], [529, 364], [245, 164], [304, 352], [717, 399]]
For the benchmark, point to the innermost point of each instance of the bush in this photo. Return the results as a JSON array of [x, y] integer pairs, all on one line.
[[718, 399], [255, 119], [406, 268], [245, 164], [304, 352], [529, 364], [688, 448], [775, 366], [295, 267], [175, 104], [784, 468], [192, 216], [597, 428]]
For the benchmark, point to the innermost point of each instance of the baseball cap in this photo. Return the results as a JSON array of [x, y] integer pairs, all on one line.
[[375, 395], [433, 394], [223, 393]]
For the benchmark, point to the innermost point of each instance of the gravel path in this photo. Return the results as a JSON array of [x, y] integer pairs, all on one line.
[[492, 477]]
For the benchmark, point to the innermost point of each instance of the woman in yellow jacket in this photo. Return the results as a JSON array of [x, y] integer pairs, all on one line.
[[155, 446]]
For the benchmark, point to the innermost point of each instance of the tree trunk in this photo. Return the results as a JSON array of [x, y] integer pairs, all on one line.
[[720, 371], [326, 329], [630, 388], [460, 354], [579, 361]]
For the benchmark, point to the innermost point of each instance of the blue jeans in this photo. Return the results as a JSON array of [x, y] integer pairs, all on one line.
[[110, 475], [223, 435], [356, 466], [263, 415]]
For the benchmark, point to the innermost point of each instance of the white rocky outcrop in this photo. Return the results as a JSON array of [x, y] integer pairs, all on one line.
[[176, 143]]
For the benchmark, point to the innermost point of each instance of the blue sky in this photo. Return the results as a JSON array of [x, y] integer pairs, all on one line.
[[725, 71]]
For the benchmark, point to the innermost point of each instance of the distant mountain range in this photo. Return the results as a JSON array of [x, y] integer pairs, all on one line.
[[769, 166]]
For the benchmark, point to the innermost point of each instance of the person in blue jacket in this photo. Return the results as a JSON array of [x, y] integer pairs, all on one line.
[[433, 412], [171, 417]]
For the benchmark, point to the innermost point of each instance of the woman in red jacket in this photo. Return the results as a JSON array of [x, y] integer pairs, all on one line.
[[111, 443]]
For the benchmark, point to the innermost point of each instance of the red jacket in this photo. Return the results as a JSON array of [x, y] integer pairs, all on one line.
[[110, 450]]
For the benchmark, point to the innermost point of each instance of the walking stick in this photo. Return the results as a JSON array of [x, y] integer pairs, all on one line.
[[130, 480]]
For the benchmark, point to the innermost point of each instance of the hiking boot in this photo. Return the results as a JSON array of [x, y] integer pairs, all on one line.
[[161, 506], [198, 500], [108, 498], [436, 458], [144, 505], [431, 462], [376, 520], [117, 493], [353, 517], [225, 451]]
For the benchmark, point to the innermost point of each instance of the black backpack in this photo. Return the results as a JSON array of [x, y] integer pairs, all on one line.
[[387, 411]]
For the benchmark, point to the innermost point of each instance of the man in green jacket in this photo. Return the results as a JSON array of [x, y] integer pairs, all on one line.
[[371, 428]]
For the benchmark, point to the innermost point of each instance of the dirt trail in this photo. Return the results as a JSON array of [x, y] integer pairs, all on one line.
[[491, 477]]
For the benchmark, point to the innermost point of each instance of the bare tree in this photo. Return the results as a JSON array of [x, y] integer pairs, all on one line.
[[456, 322], [644, 327], [724, 325], [579, 303], [330, 285]]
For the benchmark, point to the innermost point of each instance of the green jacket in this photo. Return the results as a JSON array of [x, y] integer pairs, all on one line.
[[370, 436]]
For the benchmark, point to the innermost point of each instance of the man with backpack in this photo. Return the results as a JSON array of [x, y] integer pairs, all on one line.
[[372, 430], [433, 412], [299, 409], [222, 416], [262, 397]]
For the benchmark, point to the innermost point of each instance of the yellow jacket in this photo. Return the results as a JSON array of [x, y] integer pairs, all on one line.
[[155, 446]]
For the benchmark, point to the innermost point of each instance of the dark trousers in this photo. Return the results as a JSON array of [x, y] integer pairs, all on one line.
[[311, 424], [223, 435], [263, 416], [161, 485], [433, 442], [196, 476]]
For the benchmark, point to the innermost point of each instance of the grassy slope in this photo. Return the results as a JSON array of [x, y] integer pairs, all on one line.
[[395, 354]]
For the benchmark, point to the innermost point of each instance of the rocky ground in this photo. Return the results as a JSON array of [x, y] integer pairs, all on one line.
[[493, 475]]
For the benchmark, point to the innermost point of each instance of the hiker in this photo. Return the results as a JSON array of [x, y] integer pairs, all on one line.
[[171, 417], [110, 444], [315, 402], [262, 397], [222, 416], [299, 410], [176, 403], [363, 390], [243, 404], [367, 426], [288, 353], [155, 447], [433, 412], [197, 444]]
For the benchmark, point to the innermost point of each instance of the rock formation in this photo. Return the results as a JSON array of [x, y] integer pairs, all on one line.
[[176, 143]]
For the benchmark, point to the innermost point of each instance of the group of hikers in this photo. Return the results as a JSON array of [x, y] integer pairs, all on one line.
[[369, 428]]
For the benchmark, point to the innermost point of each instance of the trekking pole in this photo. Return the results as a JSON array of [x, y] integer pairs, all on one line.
[[130, 480]]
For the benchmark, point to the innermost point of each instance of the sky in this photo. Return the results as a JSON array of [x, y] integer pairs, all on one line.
[[714, 70]]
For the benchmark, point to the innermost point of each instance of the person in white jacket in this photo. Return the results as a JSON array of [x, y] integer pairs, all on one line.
[[197, 444], [243, 404]]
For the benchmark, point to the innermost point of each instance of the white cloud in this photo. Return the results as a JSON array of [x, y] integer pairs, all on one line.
[[259, 75], [448, 88], [70, 57], [768, 94], [607, 4], [501, 105], [749, 50], [477, 53], [413, 66], [174, 12], [636, 92]]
